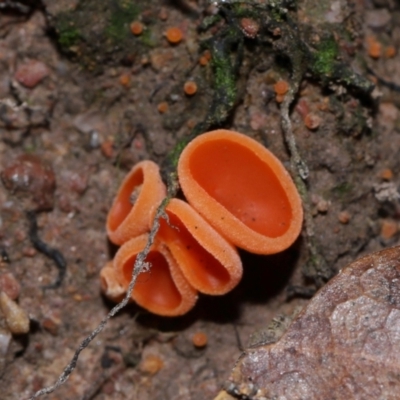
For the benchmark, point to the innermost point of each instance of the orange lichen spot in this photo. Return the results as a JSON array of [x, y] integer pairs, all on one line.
[[279, 98], [386, 174], [209, 263], [199, 339], [389, 228], [174, 35], [136, 28], [250, 27], [281, 87], [140, 193], [162, 107], [161, 289], [125, 79], [190, 88], [107, 148], [390, 52], [242, 190], [344, 217], [374, 48], [151, 364], [312, 121]]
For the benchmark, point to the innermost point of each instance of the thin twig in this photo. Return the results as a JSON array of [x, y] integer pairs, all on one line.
[[317, 267], [139, 266]]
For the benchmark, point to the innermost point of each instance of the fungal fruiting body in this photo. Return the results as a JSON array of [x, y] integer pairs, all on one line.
[[162, 289], [238, 193], [209, 263], [140, 193], [242, 190]]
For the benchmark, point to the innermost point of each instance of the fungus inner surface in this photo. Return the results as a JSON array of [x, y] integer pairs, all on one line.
[[191, 256], [244, 184], [156, 285], [123, 203]]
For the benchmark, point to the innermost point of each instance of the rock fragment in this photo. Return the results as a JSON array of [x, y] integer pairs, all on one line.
[[16, 318]]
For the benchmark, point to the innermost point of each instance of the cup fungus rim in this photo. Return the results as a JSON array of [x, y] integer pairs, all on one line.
[[229, 225], [188, 294], [214, 244], [137, 221]]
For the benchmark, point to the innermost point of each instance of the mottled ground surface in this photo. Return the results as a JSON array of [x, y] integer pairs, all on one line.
[[88, 108]]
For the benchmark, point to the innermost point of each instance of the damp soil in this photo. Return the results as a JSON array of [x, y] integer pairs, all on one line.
[[83, 99]]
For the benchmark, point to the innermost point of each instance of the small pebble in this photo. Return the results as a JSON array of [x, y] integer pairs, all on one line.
[[31, 73], [312, 121], [389, 228], [302, 108], [9, 285], [344, 217], [52, 322], [94, 141], [16, 318], [29, 252], [323, 206], [163, 14], [151, 364], [107, 148], [5, 339], [29, 174], [190, 123], [250, 27]]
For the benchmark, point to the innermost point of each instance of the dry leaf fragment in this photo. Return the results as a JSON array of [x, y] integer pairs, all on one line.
[[344, 345]]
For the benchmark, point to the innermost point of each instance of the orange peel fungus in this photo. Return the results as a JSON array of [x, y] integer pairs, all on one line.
[[209, 263], [163, 289], [242, 190], [140, 193]]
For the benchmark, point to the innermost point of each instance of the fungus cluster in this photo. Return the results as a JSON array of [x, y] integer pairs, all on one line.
[[238, 195]]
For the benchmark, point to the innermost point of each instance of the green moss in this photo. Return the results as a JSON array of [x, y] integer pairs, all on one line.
[[123, 13], [223, 78], [68, 34], [325, 57], [147, 39], [342, 190]]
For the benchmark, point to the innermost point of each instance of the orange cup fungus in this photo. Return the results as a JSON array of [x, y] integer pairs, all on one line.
[[162, 289], [209, 263], [242, 190], [239, 194], [174, 35], [140, 193]]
